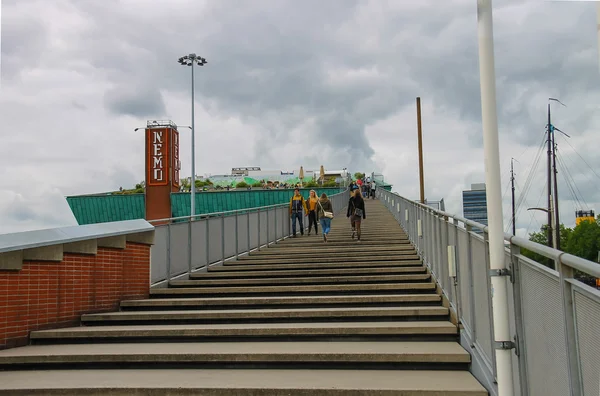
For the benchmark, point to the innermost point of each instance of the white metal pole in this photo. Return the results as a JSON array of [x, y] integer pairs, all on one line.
[[598, 28], [193, 190], [494, 195]]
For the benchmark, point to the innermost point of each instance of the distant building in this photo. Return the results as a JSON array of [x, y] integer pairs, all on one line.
[[475, 204]]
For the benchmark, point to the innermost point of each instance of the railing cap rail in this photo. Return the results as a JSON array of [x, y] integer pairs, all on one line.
[[231, 212], [55, 236], [575, 262]]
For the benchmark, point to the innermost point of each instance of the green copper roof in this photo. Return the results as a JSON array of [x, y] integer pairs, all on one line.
[[92, 209], [221, 201]]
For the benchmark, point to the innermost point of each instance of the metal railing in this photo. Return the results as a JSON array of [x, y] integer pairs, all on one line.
[[183, 245], [554, 318]]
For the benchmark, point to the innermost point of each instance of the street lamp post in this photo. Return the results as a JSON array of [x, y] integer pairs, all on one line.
[[190, 60]]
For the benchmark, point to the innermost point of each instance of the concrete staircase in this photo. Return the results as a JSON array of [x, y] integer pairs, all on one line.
[[298, 318]]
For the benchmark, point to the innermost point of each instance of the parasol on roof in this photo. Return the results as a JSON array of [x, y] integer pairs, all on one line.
[[301, 175]]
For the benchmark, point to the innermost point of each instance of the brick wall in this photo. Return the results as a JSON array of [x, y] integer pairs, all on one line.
[[46, 295]]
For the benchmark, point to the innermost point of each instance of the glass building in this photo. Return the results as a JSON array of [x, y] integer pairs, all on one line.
[[475, 204]]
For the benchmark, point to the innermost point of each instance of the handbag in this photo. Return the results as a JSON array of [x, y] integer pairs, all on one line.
[[329, 215]]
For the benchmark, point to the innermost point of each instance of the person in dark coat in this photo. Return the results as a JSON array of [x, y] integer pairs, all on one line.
[[356, 212]]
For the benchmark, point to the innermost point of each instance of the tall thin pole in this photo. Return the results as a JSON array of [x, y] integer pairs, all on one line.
[[598, 28], [420, 138], [489, 118], [549, 179], [193, 194], [555, 207], [512, 183]]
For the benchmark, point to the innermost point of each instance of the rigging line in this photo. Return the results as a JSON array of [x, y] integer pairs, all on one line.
[[538, 204], [572, 179], [560, 158], [559, 161], [587, 175], [575, 201], [583, 159], [531, 174], [535, 162]]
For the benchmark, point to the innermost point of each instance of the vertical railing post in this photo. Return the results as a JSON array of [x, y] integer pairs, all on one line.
[[207, 229], [268, 233], [566, 291], [223, 238], [471, 285], [515, 251], [258, 227], [190, 228], [275, 224], [169, 252], [237, 243], [457, 280], [248, 224]]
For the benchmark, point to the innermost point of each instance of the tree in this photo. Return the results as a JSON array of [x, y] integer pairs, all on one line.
[[330, 183], [541, 237], [311, 184], [257, 184], [359, 175], [241, 184], [585, 240]]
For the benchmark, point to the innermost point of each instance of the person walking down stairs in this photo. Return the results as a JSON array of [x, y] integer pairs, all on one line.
[[297, 203], [356, 212], [312, 211], [325, 214]]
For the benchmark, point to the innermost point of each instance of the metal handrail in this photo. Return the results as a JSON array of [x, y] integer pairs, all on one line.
[[434, 229], [575, 262], [189, 221]]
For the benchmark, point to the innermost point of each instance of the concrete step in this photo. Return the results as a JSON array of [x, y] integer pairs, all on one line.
[[274, 354], [347, 258], [324, 251], [241, 382], [430, 330], [342, 238], [258, 273], [277, 248], [282, 302], [371, 288], [267, 315], [341, 265], [330, 280]]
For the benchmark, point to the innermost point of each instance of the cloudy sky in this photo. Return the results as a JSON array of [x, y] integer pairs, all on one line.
[[290, 83]]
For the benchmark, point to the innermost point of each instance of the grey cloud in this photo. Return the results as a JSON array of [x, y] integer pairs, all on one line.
[[24, 36], [135, 100]]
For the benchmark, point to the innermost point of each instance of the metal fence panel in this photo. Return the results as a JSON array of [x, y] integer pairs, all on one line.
[[464, 280], [242, 233], [229, 237], [159, 254], [587, 313], [214, 239], [253, 230], [263, 227], [544, 330], [481, 297], [179, 248], [199, 244]]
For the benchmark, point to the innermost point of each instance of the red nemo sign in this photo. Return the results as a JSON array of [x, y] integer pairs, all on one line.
[[175, 156], [157, 146]]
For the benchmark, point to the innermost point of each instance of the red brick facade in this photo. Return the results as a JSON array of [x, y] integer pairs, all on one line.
[[46, 295]]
